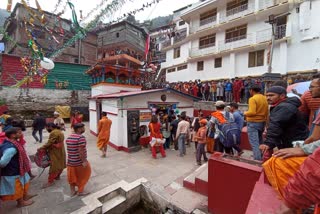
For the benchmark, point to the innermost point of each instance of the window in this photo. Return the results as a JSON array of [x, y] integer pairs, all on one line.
[[76, 60], [200, 66], [117, 35], [207, 41], [256, 58], [236, 33], [182, 67], [208, 17], [181, 23], [171, 70], [218, 62], [236, 6], [176, 53]]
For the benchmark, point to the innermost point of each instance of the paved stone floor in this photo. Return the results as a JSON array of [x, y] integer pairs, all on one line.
[[165, 173]]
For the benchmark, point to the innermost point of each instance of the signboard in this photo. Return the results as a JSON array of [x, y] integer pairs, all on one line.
[[145, 116]]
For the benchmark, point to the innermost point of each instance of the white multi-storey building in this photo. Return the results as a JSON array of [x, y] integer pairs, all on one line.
[[227, 39]]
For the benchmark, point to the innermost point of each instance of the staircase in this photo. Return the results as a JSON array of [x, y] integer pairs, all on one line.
[[197, 181]]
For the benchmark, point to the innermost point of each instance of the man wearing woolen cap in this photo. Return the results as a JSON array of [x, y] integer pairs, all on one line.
[[286, 123]]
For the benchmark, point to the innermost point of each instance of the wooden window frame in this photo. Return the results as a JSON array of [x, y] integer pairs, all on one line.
[[218, 64], [200, 65], [236, 33], [207, 15], [182, 67], [170, 70], [176, 53], [236, 4], [254, 59], [207, 41]]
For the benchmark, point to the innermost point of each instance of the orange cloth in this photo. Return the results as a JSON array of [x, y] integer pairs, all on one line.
[[210, 145], [20, 192], [279, 171], [219, 116], [79, 176], [104, 127]]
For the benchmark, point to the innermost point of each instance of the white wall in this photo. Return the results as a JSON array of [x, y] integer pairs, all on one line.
[[141, 101], [184, 54], [107, 88], [303, 48], [93, 116]]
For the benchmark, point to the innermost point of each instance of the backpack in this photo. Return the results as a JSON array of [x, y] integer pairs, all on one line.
[[230, 134], [42, 159]]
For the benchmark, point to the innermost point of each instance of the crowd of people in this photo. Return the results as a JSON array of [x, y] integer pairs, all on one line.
[[283, 131], [228, 90], [15, 163]]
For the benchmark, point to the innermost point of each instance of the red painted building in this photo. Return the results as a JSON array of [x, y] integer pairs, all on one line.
[[12, 72]]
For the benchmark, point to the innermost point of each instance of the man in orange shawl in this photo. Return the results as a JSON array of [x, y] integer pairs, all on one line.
[[104, 127], [78, 167], [294, 174]]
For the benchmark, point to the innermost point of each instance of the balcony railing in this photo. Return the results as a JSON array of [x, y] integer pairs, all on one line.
[[238, 42], [180, 35], [206, 23], [263, 4], [237, 12], [200, 51], [208, 20], [166, 43]]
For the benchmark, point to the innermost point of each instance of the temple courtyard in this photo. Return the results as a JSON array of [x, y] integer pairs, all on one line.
[[165, 175]]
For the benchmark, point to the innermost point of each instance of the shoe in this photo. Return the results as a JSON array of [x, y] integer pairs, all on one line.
[[198, 163], [206, 160]]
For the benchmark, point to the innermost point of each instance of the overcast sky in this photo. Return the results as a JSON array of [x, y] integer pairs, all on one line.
[[163, 8]]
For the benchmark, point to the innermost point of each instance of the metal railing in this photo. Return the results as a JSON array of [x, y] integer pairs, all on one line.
[[236, 38], [166, 43], [180, 35], [206, 23], [238, 42], [208, 20], [263, 4], [237, 12]]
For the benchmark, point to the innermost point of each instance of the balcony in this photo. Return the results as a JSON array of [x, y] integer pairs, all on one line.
[[180, 35], [205, 23], [200, 51], [166, 43], [265, 35], [264, 4], [236, 42], [237, 12]]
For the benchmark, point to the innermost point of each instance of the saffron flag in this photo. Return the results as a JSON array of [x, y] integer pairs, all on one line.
[[146, 51]]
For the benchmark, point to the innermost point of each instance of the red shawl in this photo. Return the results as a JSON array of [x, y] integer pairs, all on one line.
[[23, 158]]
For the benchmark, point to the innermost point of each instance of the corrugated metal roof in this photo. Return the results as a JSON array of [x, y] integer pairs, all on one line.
[[136, 93]]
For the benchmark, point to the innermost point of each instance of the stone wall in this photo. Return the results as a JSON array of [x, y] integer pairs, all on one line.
[[26, 101]]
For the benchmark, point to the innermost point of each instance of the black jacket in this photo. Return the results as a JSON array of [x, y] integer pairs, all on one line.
[[286, 124], [39, 123]]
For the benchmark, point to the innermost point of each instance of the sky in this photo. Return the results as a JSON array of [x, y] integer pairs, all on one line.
[[163, 8]]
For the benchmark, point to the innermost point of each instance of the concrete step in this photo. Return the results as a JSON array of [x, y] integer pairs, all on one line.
[[201, 183], [113, 203], [200, 173]]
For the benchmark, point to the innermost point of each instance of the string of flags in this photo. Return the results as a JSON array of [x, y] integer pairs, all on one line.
[[38, 23]]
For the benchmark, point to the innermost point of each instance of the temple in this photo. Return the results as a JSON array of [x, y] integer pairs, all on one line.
[[121, 50]]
